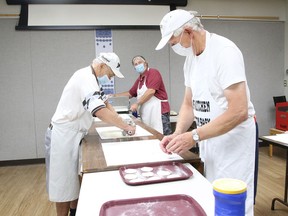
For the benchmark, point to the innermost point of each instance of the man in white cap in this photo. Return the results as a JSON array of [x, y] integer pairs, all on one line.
[[81, 100], [216, 97]]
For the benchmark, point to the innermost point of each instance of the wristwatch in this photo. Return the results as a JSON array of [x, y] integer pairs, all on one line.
[[195, 136]]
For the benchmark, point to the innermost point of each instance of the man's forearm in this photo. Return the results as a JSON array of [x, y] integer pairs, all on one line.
[[185, 120]]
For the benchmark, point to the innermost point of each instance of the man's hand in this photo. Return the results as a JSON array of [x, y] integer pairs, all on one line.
[[177, 143], [134, 107], [165, 141], [130, 129]]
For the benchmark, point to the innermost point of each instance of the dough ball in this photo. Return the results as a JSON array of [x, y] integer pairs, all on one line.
[[163, 172], [129, 171], [147, 174], [146, 169], [130, 176]]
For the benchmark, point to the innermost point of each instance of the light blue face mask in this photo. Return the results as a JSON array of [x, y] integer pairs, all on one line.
[[103, 80], [140, 68]]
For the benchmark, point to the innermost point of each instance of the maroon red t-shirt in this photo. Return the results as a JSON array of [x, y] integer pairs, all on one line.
[[153, 80]]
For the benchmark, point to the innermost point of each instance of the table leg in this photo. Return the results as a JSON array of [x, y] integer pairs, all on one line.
[[270, 150], [284, 202]]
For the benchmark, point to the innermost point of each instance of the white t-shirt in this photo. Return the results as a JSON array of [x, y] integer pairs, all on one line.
[[231, 155], [81, 97], [218, 67]]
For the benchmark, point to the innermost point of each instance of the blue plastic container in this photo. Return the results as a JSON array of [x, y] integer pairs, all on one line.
[[135, 114], [230, 196]]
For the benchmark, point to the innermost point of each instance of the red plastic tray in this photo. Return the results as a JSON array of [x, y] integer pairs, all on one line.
[[171, 205], [148, 173]]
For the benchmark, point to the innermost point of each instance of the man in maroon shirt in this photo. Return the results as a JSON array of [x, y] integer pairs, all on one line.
[[152, 100]]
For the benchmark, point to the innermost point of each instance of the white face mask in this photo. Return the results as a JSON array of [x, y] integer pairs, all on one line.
[[180, 50]]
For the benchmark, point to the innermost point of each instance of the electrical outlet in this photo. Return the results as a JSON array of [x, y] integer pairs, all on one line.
[[285, 83]]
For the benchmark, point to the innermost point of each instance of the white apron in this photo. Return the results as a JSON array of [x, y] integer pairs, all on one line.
[[62, 159], [150, 111], [229, 155]]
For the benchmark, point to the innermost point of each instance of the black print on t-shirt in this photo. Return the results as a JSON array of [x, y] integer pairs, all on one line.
[[201, 121], [94, 96], [201, 106]]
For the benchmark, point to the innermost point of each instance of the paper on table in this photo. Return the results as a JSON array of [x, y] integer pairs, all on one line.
[[115, 132], [131, 152]]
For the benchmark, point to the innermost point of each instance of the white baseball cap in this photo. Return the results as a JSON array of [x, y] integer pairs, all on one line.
[[113, 61], [170, 23]]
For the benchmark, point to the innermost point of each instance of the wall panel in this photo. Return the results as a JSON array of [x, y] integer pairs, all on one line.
[[35, 66]]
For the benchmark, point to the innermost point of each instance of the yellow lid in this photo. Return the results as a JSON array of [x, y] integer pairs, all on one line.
[[229, 186]]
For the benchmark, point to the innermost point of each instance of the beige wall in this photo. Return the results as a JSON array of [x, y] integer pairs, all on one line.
[[242, 8], [212, 7], [263, 9], [247, 8]]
